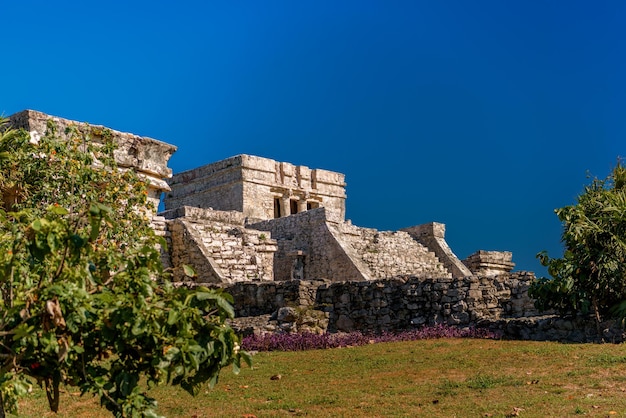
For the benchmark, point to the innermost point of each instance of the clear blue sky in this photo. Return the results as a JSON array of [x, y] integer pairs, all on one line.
[[483, 115]]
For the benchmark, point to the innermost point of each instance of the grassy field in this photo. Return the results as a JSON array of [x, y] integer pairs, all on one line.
[[429, 378]]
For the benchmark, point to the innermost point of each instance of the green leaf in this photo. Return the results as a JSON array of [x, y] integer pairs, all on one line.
[[227, 307], [38, 224], [150, 413], [189, 271], [21, 388], [236, 366], [172, 316], [206, 295], [172, 353], [246, 357], [94, 223], [23, 331], [58, 210], [139, 327], [94, 210]]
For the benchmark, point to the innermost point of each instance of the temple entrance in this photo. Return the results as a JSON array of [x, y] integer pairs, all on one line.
[[277, 212], [293, 206]]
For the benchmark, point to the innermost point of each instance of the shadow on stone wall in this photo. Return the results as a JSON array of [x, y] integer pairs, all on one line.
[[499, 303]]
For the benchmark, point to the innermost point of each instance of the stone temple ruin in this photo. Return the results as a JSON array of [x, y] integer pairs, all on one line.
[[253, 219], [274, 235], [249, 218]]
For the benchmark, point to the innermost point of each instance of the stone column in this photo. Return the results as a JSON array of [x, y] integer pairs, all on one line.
[[285, 206], [301, 205]]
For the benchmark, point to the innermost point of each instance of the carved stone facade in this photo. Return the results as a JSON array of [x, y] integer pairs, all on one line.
[[260, 188]]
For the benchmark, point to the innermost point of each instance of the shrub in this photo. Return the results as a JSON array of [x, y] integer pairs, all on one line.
[[84, 299], [591, 275]]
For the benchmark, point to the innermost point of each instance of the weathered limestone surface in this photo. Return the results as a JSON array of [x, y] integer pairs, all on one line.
[[490, 263], [402, 303], [160, 228], [392, 253], [258, 187], [324, 248], [577, 329], [308, 249], [432, 235], [147, 156], [265, 298], [218, 246]]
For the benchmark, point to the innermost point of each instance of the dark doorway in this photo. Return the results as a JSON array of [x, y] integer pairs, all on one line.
[[312, 205], [277, 207]]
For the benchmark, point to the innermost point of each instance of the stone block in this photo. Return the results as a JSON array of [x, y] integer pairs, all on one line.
[[344, 324]]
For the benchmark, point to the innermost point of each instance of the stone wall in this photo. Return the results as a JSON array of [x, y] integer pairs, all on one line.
[[218, 246], [256, 299], [218, 186], [258, 187], [498, 303], [396, 304], [393, 304], [576, 329], [308, 249]]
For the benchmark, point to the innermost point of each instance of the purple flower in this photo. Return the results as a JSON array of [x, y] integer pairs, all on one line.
[[308, 341]]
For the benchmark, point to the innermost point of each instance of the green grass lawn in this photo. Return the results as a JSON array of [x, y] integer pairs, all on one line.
[[429, 378]]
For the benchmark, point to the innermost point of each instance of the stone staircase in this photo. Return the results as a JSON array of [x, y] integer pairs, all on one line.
[[392, 254], [159, 224], [218, 246], [239, 253]]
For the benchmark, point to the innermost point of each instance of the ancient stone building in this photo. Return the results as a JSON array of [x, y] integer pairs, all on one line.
[[274, 235], [259, 188], [300, 215], [249, 218]]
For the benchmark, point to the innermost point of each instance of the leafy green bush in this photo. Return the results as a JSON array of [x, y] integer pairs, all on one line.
[[591, 276], [84, 298]]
